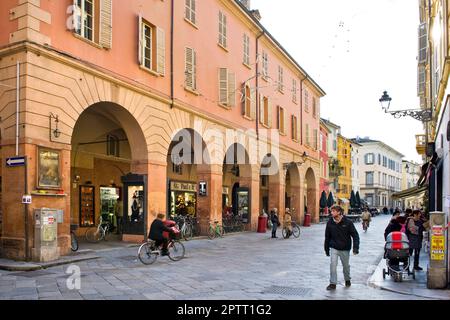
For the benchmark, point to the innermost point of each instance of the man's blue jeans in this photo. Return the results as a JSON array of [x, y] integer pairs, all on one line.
[[345, 260]]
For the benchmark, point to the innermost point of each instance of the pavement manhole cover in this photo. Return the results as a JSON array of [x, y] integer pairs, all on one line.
[[288, 291]]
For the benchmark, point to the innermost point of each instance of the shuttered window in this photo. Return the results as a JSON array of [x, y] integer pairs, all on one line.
[[314, 108], [248, 101], [316, 139], [306, 101], [265, 112], [281, 120], [105, 38], [280, 79], [246, 57], [222, 29], [190, 69], [190, 14], [227, 88], [294, 90], [308, 141], [265, 65], [152, 48], [294, 128]]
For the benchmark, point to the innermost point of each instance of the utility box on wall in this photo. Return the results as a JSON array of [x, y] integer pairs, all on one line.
[[46, 235]]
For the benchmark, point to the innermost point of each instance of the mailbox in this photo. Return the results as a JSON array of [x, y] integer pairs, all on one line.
[[46, 234]]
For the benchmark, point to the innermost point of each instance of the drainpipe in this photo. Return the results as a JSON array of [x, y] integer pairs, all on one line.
[[301, 110], [17, 107], [257, 84], [171, 53]]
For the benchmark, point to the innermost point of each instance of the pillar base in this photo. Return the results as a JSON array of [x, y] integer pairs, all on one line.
[[45, 254], [436, 278]]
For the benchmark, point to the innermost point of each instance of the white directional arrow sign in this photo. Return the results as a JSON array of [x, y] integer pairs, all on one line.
[[15, 162]]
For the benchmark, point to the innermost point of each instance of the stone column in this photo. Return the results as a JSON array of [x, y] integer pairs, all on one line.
[[209, 208]]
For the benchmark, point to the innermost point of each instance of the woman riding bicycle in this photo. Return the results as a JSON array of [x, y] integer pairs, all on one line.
[[156, 233]]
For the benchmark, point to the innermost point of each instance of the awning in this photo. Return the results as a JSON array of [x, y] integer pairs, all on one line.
[[411, 192], [344, 200]]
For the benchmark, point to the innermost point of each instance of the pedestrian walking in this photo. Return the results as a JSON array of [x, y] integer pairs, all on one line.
[[394, 225], [275, 222], [339, 233], [414, 231]]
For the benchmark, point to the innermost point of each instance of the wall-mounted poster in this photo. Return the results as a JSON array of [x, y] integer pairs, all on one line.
[[48, 169]]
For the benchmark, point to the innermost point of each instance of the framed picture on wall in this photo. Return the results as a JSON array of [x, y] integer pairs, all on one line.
[[49, 169]]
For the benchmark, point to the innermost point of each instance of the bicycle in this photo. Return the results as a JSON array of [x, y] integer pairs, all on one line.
[[295, 231], [186, 228], [101, 232], [73, 238], [148, 252], [215, 230]]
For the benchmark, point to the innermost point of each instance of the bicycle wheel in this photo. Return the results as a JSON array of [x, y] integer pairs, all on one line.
[[94, 235], [211, 233], [147, 254], [187, 234], [284, 233], [176, 251], [296, 231], [73, 241], [220, 231]]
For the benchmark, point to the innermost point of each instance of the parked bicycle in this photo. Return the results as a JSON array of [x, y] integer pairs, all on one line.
[[185, 226], [73, 237], [101, 232], [215, 230], [295, 231], [148, 252]]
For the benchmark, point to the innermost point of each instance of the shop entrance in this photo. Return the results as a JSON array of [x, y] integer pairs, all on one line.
[[134, 204], [183, 199]]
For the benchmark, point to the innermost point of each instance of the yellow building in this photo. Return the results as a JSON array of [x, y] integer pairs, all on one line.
[[345, 179]]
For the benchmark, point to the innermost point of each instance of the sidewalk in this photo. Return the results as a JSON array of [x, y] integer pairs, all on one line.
[[417, 287]]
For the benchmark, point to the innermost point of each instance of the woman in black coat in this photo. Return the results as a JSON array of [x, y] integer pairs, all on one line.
[[275, 222], [414, 231]]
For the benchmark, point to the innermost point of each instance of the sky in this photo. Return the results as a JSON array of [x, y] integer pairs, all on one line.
[[355, 50]]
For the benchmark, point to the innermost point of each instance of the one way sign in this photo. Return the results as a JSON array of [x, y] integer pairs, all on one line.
[[15, 162]]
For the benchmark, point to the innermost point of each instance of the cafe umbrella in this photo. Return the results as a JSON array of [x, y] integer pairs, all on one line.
[[330, 201]]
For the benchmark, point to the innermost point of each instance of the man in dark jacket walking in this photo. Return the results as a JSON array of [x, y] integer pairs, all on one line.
[[338, 242]]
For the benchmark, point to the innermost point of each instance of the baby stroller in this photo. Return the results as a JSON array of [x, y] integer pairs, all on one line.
[[396, 253]]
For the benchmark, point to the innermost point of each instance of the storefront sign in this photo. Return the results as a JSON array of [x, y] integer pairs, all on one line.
[[26, 199], [437, 230], [203, 191], [183, 186], [437, 248]]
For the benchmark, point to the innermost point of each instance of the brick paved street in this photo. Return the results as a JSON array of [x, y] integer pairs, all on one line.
[[239, 266]]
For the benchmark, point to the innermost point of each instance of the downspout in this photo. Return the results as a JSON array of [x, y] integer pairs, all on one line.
[[17, 107], [172, 13], [301, 110], [257, 84]]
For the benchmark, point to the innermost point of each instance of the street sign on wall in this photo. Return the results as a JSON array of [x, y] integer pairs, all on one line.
[[15, 162]]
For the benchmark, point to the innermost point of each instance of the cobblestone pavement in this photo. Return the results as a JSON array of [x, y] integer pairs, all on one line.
[[243, 266]]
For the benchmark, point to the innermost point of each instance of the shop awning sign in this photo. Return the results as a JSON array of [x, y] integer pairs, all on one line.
[[183, 186]]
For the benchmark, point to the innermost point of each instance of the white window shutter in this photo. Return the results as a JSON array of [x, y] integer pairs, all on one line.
[[189, 68], [253, 104], [270, 113], [75, 12], [161, 51], [194, 69], [232, 89], [261, 109], [243, 97], [140, 41], [223, 86], [106, 23]]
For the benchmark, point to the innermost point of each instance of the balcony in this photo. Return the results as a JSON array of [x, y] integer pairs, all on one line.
[[421, 144]]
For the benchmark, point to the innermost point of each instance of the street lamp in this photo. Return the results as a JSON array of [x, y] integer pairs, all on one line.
[[286, 166], [418, 114]]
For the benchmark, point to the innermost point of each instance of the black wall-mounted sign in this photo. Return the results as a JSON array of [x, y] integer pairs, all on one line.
[[202, 189]]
